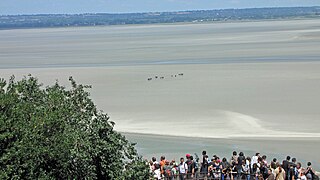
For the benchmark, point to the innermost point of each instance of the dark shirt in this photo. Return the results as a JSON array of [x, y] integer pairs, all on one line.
[[204, 166], [271, 177], [240, 159], [285, 165]]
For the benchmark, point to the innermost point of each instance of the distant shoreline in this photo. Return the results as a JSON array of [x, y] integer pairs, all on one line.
[[31, 21]]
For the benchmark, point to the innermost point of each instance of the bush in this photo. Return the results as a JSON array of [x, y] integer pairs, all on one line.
[[54, 133]]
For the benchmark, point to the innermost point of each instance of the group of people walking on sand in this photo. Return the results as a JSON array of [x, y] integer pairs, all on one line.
[[237, 167], [162, 77]]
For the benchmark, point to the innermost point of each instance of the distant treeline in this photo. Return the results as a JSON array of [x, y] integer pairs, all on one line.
[[94, 19]]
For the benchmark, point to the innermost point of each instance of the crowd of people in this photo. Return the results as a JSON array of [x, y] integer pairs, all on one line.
[[237, 167]]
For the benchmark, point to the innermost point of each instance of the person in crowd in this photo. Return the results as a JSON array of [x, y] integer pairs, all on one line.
[[255, 158], [191, 165], [294, 161], [263, 168], [248, 169], [188, 162], [241, 168], [217, 168], [175, 169], [270, 175], [234, 158], [291, 172], [151, 165], [244, 170], [241, 158], [154, 160], [310, 171], [300, 170], [225, 168], [167, 168], [157, 172], [273, 164], [285, 166], [264, 160], [255, 171], [211, 169], [162, 163], [183, 169], [280, 172], [196, 167], [204, 166]]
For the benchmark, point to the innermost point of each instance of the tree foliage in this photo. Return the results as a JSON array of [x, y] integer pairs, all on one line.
[[55, 133]]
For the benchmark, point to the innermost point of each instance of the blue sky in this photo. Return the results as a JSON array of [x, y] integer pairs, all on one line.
[[120, 6]]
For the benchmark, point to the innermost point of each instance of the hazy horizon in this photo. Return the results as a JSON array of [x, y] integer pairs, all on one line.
[[16, 7]]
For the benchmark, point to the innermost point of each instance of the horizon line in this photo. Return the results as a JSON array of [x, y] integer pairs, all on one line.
[[145, 12]]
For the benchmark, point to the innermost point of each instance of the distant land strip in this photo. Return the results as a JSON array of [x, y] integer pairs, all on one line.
[[195, 16]]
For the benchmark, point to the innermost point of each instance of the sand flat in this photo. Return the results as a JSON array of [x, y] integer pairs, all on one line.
[[217, 100]]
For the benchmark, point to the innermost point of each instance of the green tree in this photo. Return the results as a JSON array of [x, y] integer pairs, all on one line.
[[55, 133]]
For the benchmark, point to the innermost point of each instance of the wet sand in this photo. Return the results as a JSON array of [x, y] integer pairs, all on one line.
[[240, 80]]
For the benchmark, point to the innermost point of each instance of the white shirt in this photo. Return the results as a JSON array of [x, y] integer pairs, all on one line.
[[254, 160], [157, 174], [183, 168]]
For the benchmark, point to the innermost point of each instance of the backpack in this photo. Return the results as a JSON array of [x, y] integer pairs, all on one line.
[[189, 164], [196, 166], [296, 173]]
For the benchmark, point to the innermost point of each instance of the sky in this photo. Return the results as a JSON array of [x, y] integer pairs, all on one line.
[[126, 6]]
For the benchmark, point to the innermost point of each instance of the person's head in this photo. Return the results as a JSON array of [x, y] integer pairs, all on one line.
[[167, 162], [241, 154], [224, 159], [269, 171], [309, 164], [162, 158], [173, 162], [298, 165], [274, 160], [204, 152], [154, 159], [234, 153], [294, 160], [257, 154], [187, 156], [191, 158], [259, 159], [288, 158], [264, 157], [206, 157], [181, 160], [248, 158]]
